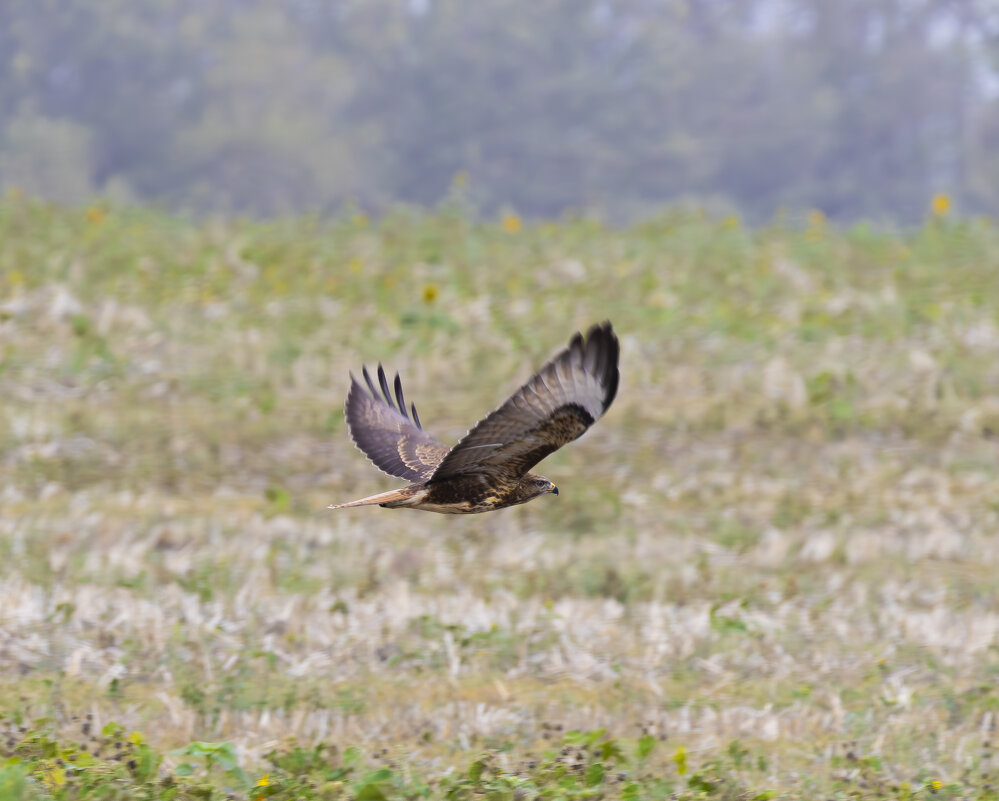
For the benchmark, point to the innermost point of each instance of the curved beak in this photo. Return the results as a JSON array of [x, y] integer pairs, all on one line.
[[554, 490]]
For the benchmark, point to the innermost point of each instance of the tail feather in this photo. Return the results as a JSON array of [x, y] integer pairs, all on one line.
[[382, 497]]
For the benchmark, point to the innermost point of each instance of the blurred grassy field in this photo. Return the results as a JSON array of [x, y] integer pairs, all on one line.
[[772, 567]]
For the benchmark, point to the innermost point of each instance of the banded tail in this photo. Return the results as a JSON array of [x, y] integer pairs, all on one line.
[[391, 498]]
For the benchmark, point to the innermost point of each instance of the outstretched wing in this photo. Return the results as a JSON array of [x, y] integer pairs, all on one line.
[[563, 399], [381, 429]]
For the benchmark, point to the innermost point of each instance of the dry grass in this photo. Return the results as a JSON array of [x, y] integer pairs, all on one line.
[[783, 533]]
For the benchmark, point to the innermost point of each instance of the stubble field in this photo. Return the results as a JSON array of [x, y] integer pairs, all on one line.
[[771, 570]]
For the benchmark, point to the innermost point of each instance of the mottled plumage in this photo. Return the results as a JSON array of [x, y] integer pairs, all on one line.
[[488, 468]]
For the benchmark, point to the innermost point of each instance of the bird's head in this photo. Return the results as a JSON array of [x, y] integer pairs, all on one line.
[[537, 485]]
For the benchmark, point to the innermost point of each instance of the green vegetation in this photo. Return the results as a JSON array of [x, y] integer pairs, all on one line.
[[770, 571], [578, 765]]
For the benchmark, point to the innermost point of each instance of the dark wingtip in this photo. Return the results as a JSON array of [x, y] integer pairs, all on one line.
[[399, 396], [603, 331], [608, 351], [611, 392], [398, 402], [354, 385], [383, 382], [370, 383]]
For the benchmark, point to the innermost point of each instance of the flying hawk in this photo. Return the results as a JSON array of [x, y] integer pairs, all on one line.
[[488, 468]]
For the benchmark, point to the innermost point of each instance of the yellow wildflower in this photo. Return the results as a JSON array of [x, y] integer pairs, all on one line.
[[511, 223], [429, 293], [816, 219], [95, 215], [816, 225], [680, 758], [731, 222], [264, 780], [54, 777], [941, 204], [936, 784]]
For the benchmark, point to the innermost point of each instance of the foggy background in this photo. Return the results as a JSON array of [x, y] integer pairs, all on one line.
[[858, 108]]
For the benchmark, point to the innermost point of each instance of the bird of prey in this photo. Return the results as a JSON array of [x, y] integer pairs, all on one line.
[[488, 468]]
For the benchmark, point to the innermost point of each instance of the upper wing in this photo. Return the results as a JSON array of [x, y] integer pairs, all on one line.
[[563, 399], [380, 427]]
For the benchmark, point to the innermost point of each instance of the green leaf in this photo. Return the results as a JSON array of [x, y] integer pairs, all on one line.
[[646, 745], [724, 624], [587, 738], [147, 762], [224, 756], [81, 325], [699, 783], [279, 498], [14, 782], [375, 786], [476, 769], [371, 792], [351, 755], [612, 751], [594, 774], [738, 752]]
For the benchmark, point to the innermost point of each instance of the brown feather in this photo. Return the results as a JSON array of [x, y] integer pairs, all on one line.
[[382, 497], [383, 432], [563, 399]]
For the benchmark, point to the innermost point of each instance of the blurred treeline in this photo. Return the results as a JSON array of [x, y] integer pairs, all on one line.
[[859, 108]]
